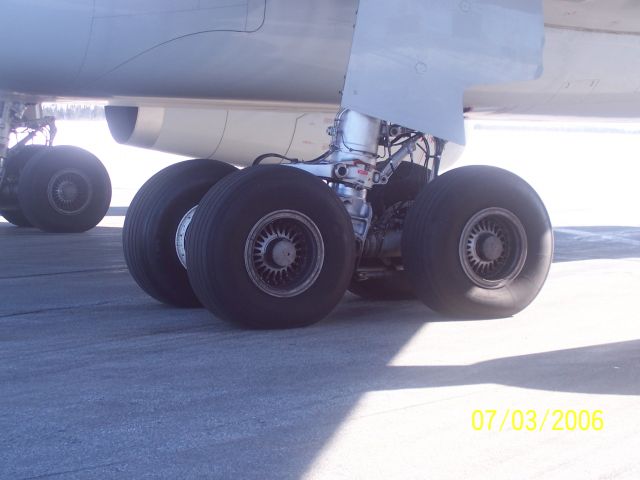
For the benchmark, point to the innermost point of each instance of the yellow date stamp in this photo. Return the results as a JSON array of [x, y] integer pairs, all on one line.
[[556, 420]]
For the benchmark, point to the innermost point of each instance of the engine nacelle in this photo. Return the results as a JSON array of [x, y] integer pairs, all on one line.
[[235, 136]]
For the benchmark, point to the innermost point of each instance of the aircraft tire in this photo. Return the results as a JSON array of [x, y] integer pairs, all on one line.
[[64, 189], [15, 217], [271, 247], [478, 243], [151, 224], [403, 186], [15, 164]]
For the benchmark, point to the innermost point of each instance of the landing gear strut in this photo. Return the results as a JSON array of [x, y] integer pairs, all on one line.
[[56, 189], [381, 276], [278, 246]]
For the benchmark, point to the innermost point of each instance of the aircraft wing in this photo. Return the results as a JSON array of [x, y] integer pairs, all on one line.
[[432, 51]]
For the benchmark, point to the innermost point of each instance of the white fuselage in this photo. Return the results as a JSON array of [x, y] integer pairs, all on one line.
[[280, 53], [287, 57]]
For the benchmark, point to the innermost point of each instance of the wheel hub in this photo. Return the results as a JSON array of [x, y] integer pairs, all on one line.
[[284, 253], [69, 192], [181, 236], [493, 248]]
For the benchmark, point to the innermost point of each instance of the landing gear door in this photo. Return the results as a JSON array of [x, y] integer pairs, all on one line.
[[412, 60]]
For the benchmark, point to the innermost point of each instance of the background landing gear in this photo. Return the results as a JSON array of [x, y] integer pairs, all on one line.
[[14, 167], [59, 189]]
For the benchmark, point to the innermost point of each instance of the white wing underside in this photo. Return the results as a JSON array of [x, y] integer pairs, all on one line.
[[432, 51]]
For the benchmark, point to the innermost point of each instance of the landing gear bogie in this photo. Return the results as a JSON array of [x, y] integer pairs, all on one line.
[[60, 189], [277, 246], [13, 169], [64, 189]]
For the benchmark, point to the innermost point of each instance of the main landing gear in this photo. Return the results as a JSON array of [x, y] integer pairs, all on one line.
[[55, 189], [277, 246]]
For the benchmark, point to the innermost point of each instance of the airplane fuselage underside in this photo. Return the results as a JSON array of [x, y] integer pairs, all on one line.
[[287, 55]]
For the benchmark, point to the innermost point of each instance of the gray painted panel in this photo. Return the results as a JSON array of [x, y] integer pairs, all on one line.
[[412, 61], [585, 75], [621, 16], [297, 60], [299, 54], [42, 43], [122, 32], [293, 51], [106, 8]]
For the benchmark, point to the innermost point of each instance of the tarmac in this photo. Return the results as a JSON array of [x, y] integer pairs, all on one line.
[[97, 380]]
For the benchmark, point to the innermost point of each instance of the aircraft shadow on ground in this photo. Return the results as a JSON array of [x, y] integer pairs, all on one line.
[[612, 368]]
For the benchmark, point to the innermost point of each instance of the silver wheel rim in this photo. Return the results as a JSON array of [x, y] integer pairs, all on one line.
[[284, 253], [493, 248], [69, 192], [181, 236]]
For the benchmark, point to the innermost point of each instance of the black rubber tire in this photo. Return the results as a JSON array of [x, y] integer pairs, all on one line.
[[151, 224], [15, 217], [34, 184], [403, 186], [15, 164], [432, 233], [221, 227]]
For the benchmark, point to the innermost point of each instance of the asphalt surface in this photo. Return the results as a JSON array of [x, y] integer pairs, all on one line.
[[99, 381]]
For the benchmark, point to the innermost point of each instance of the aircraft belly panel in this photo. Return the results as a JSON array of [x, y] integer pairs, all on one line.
[[281, 50], [123, 31], [249, 50], [42, 43]]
